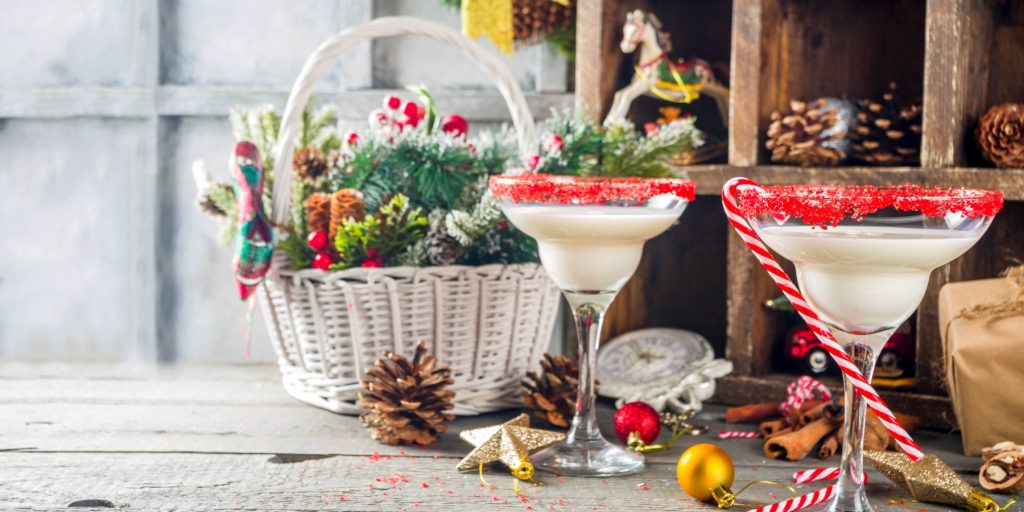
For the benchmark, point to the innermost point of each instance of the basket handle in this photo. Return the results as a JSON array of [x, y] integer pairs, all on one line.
[[337, 44]]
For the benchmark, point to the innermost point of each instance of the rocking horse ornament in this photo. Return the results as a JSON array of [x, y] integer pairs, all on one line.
[[659, 76]]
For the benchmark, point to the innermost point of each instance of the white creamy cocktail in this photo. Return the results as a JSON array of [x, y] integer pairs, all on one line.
[[863, 257], [590, 233]]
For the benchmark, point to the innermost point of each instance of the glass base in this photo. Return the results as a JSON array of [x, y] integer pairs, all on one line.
[[594, 457], [853, 500]]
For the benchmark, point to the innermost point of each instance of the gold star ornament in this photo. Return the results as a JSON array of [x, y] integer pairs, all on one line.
[[931, 480], [510, 443]]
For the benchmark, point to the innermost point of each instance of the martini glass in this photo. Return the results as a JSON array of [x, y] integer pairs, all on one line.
[[591, 234], [863, 256]]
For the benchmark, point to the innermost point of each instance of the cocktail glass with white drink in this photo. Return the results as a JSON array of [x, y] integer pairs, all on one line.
[[863, 257], [590, 233]]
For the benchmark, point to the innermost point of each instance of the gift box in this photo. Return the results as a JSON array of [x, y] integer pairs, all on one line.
[[982, 328]]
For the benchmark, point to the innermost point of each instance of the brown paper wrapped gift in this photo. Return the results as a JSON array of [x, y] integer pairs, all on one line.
[[982, 327]]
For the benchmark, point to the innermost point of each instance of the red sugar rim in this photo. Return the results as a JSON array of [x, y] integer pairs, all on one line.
[[558, 189], [830, 204]]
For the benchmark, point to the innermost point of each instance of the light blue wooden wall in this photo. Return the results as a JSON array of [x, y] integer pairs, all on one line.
[[103, 106]]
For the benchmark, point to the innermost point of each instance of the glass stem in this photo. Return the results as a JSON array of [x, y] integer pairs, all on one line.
[[588, 310], [851, 495]]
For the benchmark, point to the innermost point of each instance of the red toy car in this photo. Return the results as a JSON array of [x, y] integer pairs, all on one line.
[[804, 348]]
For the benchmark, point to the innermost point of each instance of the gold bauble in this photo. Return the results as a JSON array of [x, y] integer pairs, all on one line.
[[702, 469]]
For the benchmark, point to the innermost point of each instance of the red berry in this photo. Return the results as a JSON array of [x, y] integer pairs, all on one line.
[[392, 103], [371, 264], [412, 113], [553, 143], [322, 261], [650, 128], [352, 138], [317, 240], [455, 124], [532, 162], [640, 418]]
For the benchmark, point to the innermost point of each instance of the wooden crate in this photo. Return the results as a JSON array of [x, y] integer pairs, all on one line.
[[959, 56]]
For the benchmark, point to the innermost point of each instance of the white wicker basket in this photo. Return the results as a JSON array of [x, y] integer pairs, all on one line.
[[490, 324]]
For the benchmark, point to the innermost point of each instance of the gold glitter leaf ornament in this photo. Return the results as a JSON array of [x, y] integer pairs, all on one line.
[[510, 443], [491, 18], [931, 480]]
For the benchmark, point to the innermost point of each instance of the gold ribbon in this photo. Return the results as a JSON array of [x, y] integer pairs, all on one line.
[[690, 91], [515, 483], [680, 428], [978, 501], [725, 498]]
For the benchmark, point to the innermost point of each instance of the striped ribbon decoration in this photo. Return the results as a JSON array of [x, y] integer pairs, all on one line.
[[849, 369], [801, 390], [735, 434], [815, 475]]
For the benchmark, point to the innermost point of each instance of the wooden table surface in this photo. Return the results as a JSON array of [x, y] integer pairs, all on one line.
[[229, 438]]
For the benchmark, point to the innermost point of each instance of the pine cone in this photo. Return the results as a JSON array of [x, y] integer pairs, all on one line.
[[442, 248], [318, 212], [310, 164], [887, 133], [345, 204], [551, 396], [810, 133], [532, 19], [405, 400], [1000, 135]]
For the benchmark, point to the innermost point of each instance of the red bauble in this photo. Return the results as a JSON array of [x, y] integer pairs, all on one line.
[[640, 418], [322, 261], [317, 240], [455, 124], [392, 103]]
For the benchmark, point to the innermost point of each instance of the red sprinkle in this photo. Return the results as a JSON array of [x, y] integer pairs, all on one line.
[[827, 205], [554, 189]]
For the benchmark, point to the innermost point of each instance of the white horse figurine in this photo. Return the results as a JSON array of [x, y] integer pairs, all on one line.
[[659, 76]]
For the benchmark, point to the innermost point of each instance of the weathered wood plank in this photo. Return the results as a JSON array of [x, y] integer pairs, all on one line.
[[744, 78], [34, 481]]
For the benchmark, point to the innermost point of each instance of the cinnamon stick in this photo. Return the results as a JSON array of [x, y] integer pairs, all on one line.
[[770, 427], [797, 444], [752, 412], [831, 444], [814, 413]]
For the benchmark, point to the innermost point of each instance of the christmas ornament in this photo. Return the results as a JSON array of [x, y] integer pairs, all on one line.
[[318, 212], [317, 240], [310, 165], [442, 248], [511, 443], [706, 473], [660, 76], [813, 133], [346, 204], [254, 241], [637, 420], [887, 132], [322, 261], [455, 124], [665, 368], [491, 18], [1000, 135], [406, 401], [930, 480], [551, 395]]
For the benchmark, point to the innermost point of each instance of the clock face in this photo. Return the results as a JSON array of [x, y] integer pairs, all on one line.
[[650, 356]]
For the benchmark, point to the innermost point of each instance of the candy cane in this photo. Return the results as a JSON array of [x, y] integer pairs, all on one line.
[[735, 434], [800, 391], [815, 475], [849, 369], [799, 502]]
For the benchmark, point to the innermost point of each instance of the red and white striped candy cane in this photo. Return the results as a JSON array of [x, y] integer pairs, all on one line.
[[849, 369], [815, 475], [799, 502], [801, 390], [735, 434]]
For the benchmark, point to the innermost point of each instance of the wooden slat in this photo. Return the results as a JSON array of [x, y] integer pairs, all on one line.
[[959, 34], [745, 70]]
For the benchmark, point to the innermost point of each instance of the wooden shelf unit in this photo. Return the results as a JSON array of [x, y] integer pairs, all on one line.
[[959, 56]]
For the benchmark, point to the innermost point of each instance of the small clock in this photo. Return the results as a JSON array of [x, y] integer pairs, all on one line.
[[648, 359]]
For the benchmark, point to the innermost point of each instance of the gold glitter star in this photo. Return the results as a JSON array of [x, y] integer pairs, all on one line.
[[511, 443], [930, 480]]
